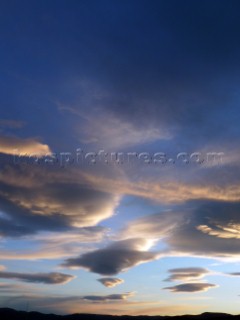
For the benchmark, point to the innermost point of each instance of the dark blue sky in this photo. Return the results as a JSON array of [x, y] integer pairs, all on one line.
[[168, 62]]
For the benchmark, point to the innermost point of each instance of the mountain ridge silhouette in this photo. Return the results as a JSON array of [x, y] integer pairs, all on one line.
[[12, 314]]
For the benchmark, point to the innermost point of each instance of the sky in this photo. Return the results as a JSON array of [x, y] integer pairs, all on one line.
[[119, 156]]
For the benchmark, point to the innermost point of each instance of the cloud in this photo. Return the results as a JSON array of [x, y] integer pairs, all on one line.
[[191, 287], [55, 245], [185, 235], [124, 255], [190, 237], [121, 296], [110, 131], [46, 278], [177, 70], [62, 304], [18, 221], [155, 226], [18, 146], [228, 231], [13, 289], [114, 133], [75, 235], [169, 191], [43, 199], [36, 252], [110, 282], [179, 230], [186, 274], [234, 274], [74, 202]]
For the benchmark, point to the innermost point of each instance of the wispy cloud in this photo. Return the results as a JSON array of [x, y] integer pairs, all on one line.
[[110, 131]]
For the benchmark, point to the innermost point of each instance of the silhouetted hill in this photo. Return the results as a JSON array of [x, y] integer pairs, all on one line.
[[11, 314]]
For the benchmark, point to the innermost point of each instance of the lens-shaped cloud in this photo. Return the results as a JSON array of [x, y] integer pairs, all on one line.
[[46, 278], [121, 296], [124, 255], [110, 282], [191, 287], [186, 274]]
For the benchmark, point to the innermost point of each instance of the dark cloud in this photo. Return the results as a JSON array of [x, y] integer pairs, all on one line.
[[18, 221], [110, 282], [203, 227], [211, 228], [40, 199], [124, 254], [121, 296], [234, 274], [46, 278], [184, 274], [191, 287]]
